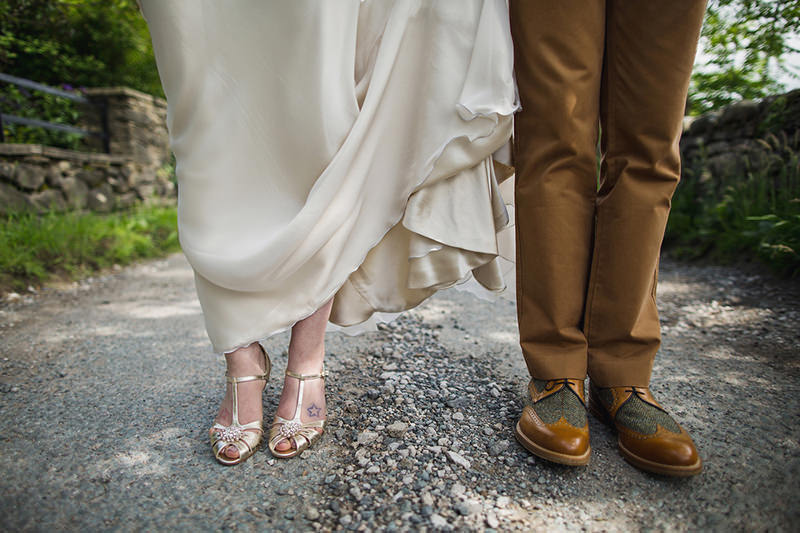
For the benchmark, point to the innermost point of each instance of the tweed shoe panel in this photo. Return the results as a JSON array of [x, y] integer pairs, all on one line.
[[562, 404], [644, 418]]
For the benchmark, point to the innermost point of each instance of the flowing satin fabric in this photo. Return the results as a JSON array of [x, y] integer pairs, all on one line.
[[334, 148]]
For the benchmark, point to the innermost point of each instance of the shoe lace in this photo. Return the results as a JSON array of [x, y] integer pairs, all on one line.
[[635, 391], [565, 382], [553, 383], [641, 395]]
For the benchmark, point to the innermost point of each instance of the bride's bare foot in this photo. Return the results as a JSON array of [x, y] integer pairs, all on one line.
[[247, 361]]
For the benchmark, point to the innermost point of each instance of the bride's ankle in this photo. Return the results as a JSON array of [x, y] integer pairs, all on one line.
[[248, 360]]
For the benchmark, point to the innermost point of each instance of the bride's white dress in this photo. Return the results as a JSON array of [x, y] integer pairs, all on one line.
[[334, 148]]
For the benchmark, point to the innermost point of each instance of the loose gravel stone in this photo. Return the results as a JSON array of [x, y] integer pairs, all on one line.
[[312, 513], [498, 447], [458, 459], [397, 430], [367, 437], [438, 521]]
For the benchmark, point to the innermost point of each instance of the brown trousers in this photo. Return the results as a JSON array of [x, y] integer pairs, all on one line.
[[587, 259]]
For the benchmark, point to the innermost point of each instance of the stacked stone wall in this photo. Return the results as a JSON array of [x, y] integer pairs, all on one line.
[[137, 169], [740, 139]]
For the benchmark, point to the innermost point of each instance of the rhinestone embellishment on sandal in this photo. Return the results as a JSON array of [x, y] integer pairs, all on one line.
[[289, 429], [230, 434]]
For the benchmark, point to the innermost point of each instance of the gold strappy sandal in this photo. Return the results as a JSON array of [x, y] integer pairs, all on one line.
[[246, 437], [301, 434]]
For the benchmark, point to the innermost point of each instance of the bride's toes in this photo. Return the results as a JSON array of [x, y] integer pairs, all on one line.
[[231, 452], [284, 446]]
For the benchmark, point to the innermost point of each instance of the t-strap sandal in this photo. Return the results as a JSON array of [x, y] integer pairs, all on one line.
[[295, 431], [245, 437]]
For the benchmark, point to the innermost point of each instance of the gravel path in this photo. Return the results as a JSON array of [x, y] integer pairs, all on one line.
[[107, 389]]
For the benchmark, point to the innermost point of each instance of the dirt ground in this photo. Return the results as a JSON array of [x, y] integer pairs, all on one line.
[[107, 389]]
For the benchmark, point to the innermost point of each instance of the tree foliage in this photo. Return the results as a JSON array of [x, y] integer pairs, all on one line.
[[93, 43], [746, 42], [106, 43]]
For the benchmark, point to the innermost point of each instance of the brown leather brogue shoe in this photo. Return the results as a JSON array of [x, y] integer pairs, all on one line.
[[554, 425], [648, 437]]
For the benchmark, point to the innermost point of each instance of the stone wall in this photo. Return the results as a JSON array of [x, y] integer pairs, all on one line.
[[42, 178], [745, 137]]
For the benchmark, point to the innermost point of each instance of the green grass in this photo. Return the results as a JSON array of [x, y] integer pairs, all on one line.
[[35, 248], [742, 217]]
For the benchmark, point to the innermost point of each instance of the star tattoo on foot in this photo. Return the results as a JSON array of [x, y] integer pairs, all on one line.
[[314, 411]]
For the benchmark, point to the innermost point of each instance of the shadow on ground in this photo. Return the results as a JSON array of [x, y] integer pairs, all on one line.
[[107, 389]]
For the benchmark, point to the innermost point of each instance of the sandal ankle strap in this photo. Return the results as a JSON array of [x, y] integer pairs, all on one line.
[[262, 377], [245, 379], [303, 377]]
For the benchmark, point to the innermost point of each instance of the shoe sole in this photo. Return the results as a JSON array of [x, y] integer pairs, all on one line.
[[641, 462], [660, 468], [550, 455]]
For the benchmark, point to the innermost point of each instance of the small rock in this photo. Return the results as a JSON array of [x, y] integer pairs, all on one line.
[[458, 459], [366, 437], [474, 507], [438, 521], [13, 297], [397, 430], [458, 416], [373, 469], [345, 520], [503, 501], [498, 447], [458, 489], [456, 403], [312, 513], [491, 520]]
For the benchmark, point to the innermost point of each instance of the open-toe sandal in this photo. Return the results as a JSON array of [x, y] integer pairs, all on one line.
[[245, 437], [298, 433]]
